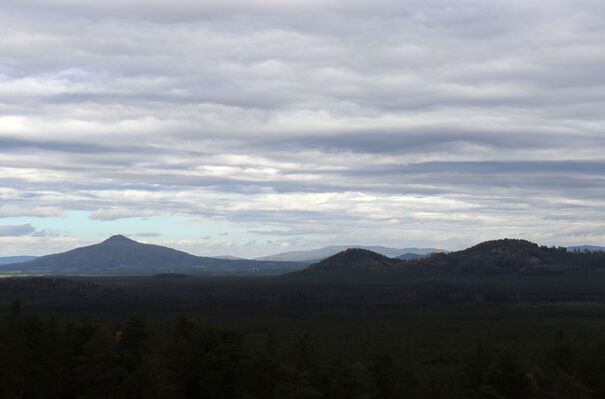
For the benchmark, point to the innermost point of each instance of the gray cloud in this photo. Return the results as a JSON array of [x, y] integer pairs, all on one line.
[[46, 233], [15, 209], [115, 213], [408, 122], [16, 231]]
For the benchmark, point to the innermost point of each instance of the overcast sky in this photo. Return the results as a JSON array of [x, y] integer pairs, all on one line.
[[251, 128]]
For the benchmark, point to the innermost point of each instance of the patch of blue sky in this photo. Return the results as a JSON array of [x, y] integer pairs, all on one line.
[[79, 224]]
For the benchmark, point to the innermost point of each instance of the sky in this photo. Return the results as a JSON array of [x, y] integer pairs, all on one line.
[[254, 127]]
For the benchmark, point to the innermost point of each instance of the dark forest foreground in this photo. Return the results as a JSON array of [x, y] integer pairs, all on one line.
[[199, 337]]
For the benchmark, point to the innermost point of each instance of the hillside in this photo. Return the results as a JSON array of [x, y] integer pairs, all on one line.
[[513, 256], [506, 256], [356, 259], [121, 254], [315, 255]]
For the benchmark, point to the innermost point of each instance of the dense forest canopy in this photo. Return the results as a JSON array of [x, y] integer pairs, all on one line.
[[189, 358]]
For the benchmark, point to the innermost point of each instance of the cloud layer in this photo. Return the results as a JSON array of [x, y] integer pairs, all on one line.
[[431, 123], [16, 231]]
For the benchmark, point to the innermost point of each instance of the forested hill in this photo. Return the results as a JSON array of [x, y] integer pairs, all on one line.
[[119, 254], [490, 257], [513, 256], [356, 259]]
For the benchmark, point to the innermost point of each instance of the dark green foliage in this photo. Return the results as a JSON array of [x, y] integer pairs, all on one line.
[[504, 256], [210, 362], [43, 358], [433, 336], [513, 256], [356, 259]]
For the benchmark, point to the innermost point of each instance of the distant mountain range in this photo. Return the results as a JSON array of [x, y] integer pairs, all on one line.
[[119, 254], [585, 248], [15, 259], [412, 256], [491, 257], [228, 257], [316, 255]]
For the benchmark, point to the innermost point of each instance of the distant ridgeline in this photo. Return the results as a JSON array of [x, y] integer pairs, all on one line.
[[316, 255], [119, 254], [15, 259], [490, 257]]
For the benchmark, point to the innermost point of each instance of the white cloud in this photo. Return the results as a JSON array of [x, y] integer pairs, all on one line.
[[12, 210], [120, 213]]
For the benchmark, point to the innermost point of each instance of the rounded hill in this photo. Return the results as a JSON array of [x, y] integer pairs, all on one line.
[[356, 259], [506, 256]]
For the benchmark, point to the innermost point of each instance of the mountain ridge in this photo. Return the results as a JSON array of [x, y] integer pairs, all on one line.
[[584, 248], [121, 254], [315, 255], [5, 260], [504, 256]]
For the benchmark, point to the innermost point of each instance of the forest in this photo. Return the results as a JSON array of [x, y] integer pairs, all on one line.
[[191, 358], [179, 336]]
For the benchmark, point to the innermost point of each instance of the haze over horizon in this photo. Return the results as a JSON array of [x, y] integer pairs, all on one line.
[[251, 128]]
